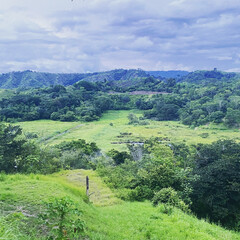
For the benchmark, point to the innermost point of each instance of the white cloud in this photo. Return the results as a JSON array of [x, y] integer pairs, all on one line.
[[221, 58], [95, 35], [233, 70]]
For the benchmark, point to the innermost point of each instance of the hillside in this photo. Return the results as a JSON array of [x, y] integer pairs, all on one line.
[[22, 196], [118, 77], [27, 79], [168, 74], [209, 77]]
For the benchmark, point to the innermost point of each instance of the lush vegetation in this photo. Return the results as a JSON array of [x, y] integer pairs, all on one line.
[[18, 154], [159, 175], [199, 98], [25, 210], [204, 178], [190, 173], [30, 79], [113, 130]]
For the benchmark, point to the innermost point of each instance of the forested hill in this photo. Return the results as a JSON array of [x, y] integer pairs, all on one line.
[[119, 77], [209, 77], [168, 74], [27, 79]]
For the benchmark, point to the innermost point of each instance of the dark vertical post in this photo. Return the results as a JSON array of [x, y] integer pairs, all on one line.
[[87, 185]]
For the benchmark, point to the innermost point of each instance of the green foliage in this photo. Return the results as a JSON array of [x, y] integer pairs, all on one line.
[[118, 157], [204, 135], [3, 176], [216, 191], [154, 171], [232, 118], [196, 99], [78, 154], [20, 155], [63, 219], [80, 144], [133, 119], [169, 197], [11, 147], [128, 220]]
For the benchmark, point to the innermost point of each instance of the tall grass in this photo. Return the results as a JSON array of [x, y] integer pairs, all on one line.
[[23, 195], [108, 129]]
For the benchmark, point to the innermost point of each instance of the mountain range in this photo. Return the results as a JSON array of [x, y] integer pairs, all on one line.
[[123, 77]]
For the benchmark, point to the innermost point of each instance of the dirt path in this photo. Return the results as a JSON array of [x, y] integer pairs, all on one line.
[[51, 138]]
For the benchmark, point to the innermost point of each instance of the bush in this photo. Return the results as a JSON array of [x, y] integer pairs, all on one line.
[[63, 219], [204, 135], [169, 197]]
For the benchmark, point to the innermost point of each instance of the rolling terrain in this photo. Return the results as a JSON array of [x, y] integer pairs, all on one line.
[[22, 200], [114, 174], [31, 79], [118, 77], [109, 131]]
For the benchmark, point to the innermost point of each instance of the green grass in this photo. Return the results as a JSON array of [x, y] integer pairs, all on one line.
[[142, 221], [117, 220], [99, 193], [104, 134]]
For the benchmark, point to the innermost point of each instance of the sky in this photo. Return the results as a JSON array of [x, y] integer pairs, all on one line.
[[101, 35]]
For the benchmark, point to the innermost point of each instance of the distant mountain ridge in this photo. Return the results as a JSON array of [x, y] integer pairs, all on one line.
[[27, 79], [205, 77], [119, 77], [168, 74]]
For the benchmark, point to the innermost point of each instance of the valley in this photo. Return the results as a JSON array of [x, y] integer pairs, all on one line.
[[108, 137]]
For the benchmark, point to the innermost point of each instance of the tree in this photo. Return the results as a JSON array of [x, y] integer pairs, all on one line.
[[118, 157], [133, 119], [232, 118], [216, 193], [11, 147]]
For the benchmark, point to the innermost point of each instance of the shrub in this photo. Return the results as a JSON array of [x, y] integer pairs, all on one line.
[[204, 135], [169, 197], [63, 219]]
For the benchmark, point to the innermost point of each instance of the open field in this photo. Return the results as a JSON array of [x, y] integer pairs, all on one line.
[[24, 194], [113, 128]]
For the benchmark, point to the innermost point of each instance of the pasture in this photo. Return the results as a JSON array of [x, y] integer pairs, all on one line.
[[113, 131]]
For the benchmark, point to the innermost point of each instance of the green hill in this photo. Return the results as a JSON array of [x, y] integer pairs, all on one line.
[[22, 196], [27, 79], [118, 77], [209, 77], [168, 74]]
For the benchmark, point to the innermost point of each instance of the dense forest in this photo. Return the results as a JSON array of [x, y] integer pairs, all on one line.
[[195, 99]]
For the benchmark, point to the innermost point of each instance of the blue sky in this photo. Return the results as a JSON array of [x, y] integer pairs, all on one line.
[[100, 35]]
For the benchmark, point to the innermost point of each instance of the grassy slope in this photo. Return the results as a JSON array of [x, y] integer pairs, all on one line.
[[103, 134], [100, 194], [119, 221]]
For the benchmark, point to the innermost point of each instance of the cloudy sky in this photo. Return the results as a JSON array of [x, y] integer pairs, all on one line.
[[99, 35]]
